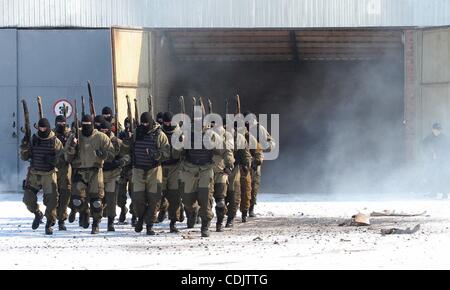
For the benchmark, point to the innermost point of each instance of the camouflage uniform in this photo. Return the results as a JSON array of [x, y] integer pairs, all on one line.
[[87, 177], [44, 154], [147, 151]]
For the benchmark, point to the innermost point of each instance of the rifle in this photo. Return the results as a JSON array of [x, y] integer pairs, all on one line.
[[83, 107], [77, 126], [226, 107], [238, 104], [41, 112], [150, 106], [91, 100], [26, 130], [64, 111], [210, 111], [136, 112], [202, 106], [130, 115]]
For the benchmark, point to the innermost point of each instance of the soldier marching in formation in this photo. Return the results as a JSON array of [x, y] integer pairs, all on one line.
[[91, 167]]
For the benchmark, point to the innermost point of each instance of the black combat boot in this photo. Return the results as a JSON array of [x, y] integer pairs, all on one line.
[[48, 228], [191, 219], [251, 212], [230, 220], [84, 220], [95, 227], [38, 216], [150, 231], [244, 216], [111, 224], [220, 211], [173, 227], [123, 214], [205, 229], [133, 221], [72, 215], [139, 225], [62, 226]]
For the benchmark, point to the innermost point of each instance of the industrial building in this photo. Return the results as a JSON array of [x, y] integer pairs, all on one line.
[[334, 70]]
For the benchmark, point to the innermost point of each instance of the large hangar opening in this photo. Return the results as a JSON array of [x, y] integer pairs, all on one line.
[[338, 92]]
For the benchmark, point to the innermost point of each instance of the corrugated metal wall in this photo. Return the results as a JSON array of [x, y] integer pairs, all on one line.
[[221, 13]]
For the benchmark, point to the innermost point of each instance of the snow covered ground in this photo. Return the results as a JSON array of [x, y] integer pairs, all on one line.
[[290, 232]]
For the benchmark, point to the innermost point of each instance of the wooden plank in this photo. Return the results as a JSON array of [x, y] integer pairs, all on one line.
[[390, 45], [182, 45], [367, 39], [219, 39], [382, 33], [274, 50], [228, 33]]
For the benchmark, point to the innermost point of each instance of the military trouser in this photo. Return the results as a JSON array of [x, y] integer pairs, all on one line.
[[125, 185], [88, 190], [246, 190], [64, 177], [220, 193], [147, 190], [36, 181], [197, 183], [110, 179], [233, 197], [256, 181], [171, 190]]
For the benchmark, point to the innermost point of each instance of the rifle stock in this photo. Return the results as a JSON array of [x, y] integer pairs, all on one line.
[[40, 110], [130, 115], [83, 106], [91, 100], [238, 104], [136, 112], [26, 129]]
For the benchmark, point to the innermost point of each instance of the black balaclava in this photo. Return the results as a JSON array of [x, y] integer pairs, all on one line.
[[98, 120], [106, 128], [167, 117], [44, 123], [60, 128], [144, 129], [107, 111], [87, 129], [159, 118]]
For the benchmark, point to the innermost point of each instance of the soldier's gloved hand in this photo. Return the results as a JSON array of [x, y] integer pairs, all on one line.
[[156, 155], [227, 170], [100, 154], [74, 142]]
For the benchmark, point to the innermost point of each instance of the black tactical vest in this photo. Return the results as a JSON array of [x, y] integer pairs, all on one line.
[[199, 156], [42, 150], [110, 165], [143, 150]]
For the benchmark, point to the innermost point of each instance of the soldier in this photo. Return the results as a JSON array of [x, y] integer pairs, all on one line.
[[221, 176], [436, 157], [125, 184], [243, 160], [111, 172], [150, 146], [249, 178], [44, 153], [159, 118], [171, 167], [64, 175], [265, 142], [107, 113], [98, 121], [87, 156], [197, 175]]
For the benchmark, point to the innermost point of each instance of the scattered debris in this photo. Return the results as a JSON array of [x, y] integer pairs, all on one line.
[[344, 240], [394, 213], [257, 239], [276, 243], [357, 220], [396, 231], [187, 237]]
